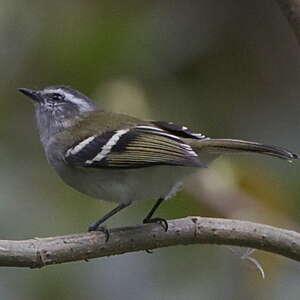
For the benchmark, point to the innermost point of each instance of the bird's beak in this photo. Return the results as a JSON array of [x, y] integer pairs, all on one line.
[[34, 95]]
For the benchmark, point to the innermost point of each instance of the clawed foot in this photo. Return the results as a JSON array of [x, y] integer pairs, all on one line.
[[149, 251], [95, 227], [161, 221]]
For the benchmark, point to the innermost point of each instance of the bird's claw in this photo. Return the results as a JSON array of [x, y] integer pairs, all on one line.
[[149, 251], [95, 227], [163, 222]]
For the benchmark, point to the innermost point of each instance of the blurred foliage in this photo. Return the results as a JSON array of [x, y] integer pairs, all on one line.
[[228, 68]]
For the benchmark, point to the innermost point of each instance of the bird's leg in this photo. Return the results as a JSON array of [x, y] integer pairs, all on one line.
[[161, 221], [96, 227]]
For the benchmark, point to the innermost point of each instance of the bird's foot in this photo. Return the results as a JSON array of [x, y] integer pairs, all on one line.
[[161, 221], [149, 251], [96, 227]]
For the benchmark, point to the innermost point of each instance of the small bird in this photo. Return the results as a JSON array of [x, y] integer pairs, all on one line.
[[116, 157]]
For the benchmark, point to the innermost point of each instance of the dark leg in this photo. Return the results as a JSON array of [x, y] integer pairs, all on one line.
[[96, 226], [149, 218]]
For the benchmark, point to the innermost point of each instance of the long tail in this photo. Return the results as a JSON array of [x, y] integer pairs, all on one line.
[[219, 146]]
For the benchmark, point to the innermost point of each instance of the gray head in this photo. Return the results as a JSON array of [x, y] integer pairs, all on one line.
[[59, 100], [57, 107]]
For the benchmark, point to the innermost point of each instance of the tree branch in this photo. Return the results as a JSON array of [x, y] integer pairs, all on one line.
[[291, 9], [39, 252]]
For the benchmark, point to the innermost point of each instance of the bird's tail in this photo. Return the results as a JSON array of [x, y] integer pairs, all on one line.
[[219, 146]]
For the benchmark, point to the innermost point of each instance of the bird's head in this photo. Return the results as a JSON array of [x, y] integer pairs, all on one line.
[[57, 107], [59, 101]]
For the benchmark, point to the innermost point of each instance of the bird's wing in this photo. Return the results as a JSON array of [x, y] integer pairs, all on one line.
[[134, 147], [178, 130]]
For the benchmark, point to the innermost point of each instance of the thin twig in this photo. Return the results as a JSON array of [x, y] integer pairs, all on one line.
[[39, 252]]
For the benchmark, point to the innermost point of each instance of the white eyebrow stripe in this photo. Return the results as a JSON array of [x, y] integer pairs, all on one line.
[[82, 104], [80, 146], [59, 90], [108, 146]]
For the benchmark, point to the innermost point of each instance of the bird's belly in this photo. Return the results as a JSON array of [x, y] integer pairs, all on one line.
[[126, 186]]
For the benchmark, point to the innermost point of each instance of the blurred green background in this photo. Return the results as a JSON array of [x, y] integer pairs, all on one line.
[[229, 68]]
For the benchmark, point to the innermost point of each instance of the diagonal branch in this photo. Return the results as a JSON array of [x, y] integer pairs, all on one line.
[[39, 252]]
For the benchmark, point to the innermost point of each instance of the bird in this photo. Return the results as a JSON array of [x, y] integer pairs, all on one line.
[[120, 158]]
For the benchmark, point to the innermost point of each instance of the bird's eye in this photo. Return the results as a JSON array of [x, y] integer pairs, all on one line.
[[57, 97]]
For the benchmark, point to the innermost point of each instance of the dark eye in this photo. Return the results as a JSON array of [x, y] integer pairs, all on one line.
[[57, 97]]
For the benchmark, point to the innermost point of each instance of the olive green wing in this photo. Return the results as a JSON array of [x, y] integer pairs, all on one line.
[[133, 147]]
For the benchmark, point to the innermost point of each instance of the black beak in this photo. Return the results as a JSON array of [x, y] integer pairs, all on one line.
[[34, 95]]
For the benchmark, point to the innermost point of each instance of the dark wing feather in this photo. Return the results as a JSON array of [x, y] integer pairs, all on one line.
[[140, 146], [178, 130]]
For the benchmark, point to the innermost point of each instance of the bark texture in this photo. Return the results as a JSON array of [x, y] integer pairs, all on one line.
[[39, 252]]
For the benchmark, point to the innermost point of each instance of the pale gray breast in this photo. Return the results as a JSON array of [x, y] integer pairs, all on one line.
[[125, 186]]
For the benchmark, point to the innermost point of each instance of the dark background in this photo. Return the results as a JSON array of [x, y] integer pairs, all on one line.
[[229, 68]]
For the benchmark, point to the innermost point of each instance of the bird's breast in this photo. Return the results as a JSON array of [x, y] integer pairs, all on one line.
[[125, 185]]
